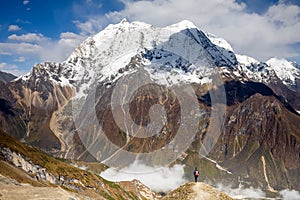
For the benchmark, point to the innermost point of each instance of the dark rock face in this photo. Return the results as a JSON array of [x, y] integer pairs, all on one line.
[[6, 77], [10, 116], [262, 140]]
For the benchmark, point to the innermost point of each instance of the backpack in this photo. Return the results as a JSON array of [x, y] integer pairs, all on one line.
[[196, 173]]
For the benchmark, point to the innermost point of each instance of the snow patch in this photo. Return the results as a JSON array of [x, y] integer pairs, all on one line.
[[82, 167], [184, 24], [218, 166], [221, 42], [113, 69], [245, 60]]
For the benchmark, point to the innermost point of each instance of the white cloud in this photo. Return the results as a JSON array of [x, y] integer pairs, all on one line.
[[242, 192], [11, 68], [14, 28], [25, 2], [88, 27], [260, 36], [69, 35], [255, 193], [45, 49], [20, 59], [158, 179], [5, 53], [284, 15], [22, 21], [5, 66], [290, 194], [41, 48], [70, 40], [21, 48], [58, 51], [30, 37]]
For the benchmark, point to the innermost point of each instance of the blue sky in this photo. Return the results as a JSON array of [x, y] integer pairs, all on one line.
[[33, 31]]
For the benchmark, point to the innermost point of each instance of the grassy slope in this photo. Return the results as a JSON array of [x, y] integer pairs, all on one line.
[[108, 190]]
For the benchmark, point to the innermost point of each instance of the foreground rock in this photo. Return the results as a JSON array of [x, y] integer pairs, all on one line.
[[194, 191]]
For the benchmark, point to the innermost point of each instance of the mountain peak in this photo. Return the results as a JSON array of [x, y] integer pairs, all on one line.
[[285, 70], [186, 24], [279, 61], [123, 21]]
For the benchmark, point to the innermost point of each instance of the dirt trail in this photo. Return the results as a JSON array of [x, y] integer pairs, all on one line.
[[196, 191], [206, 192], [12, 190]]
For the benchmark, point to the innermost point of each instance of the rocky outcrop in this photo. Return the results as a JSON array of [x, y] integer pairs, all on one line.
[[36, 171], [142, 191]]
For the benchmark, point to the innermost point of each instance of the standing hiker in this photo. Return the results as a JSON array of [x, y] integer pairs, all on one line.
[[196, 174]]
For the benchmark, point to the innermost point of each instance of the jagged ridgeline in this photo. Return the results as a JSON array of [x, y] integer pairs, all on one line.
[[59, 107]]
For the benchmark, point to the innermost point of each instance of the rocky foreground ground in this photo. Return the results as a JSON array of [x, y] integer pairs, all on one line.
[[196, 191], [13, 190]]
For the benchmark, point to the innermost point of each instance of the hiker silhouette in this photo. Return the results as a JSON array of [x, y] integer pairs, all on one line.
[[196, 174]]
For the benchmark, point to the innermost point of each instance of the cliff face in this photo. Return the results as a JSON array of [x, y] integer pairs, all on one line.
[[262, 140]]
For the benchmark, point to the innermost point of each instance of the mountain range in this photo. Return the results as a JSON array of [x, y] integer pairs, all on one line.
[[131, 80]]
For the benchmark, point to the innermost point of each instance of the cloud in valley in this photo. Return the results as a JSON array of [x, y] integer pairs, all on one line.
[[242, 192], [158, 179], [255, 193], [290, 194]]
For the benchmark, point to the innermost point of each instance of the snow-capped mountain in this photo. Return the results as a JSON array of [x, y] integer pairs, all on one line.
[[261, 100], [184, 52], [182, 48], [286, 71]]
